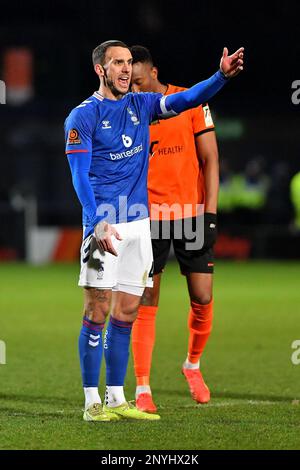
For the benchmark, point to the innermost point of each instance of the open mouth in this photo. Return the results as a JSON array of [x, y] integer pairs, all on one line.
[[124, 82]]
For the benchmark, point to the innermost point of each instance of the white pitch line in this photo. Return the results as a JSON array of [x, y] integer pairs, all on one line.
[[248, 402], [236, 403]]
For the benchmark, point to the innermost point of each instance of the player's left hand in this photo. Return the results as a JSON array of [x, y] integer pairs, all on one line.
[[210, 230], [232, 65], [103, 233]]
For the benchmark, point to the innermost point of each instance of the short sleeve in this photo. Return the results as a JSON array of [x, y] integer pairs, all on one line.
[[202, 119]]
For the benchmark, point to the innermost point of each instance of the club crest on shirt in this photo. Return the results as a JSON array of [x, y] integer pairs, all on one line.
[[73, 137], [133, 117]]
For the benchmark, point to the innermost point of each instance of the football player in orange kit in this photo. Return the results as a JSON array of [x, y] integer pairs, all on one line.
[[183, 171]]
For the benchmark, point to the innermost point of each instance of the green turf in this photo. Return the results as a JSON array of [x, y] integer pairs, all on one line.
[[247, 364]]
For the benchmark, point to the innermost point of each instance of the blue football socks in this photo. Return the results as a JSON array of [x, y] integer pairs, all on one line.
[[90, 352], [116, 351]]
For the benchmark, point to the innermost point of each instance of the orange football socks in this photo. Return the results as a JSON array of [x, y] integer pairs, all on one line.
[[200, 326], [143, 338]]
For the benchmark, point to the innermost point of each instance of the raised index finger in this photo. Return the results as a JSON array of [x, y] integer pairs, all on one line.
[[236, 53]]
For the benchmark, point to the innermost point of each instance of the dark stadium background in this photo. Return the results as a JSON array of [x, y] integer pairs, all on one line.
[[252, 361], [254, 115]]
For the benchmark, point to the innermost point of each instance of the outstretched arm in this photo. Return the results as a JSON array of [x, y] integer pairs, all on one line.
[[230, 66]]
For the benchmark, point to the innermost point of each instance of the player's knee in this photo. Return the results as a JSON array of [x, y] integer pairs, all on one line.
[[131, 309], [96, 305], [96, 312], [127, 311], [202, 298]]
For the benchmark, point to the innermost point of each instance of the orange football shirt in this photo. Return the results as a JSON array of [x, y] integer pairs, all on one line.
[[175, 175]]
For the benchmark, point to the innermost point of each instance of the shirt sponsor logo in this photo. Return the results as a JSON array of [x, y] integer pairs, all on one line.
[[170, 150], [127, 141], [128, 153]]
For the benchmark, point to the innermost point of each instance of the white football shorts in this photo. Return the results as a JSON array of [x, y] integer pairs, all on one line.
[[131, 271]]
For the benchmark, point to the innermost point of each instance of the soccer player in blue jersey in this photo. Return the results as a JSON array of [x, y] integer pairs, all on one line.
[[107, 140]]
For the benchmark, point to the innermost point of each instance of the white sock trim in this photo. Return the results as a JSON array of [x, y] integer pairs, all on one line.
[[114, 395], [142, 389], [190, 365], [91, 396]]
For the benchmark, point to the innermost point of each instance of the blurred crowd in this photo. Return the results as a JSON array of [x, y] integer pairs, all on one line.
[[261, 194]]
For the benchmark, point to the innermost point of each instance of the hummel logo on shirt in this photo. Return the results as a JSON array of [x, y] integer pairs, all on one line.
[[106, 125]]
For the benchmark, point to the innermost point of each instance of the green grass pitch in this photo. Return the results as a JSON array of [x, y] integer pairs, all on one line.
[[247, 364]]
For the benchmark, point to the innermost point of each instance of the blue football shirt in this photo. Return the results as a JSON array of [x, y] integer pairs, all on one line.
[[116, 135]]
